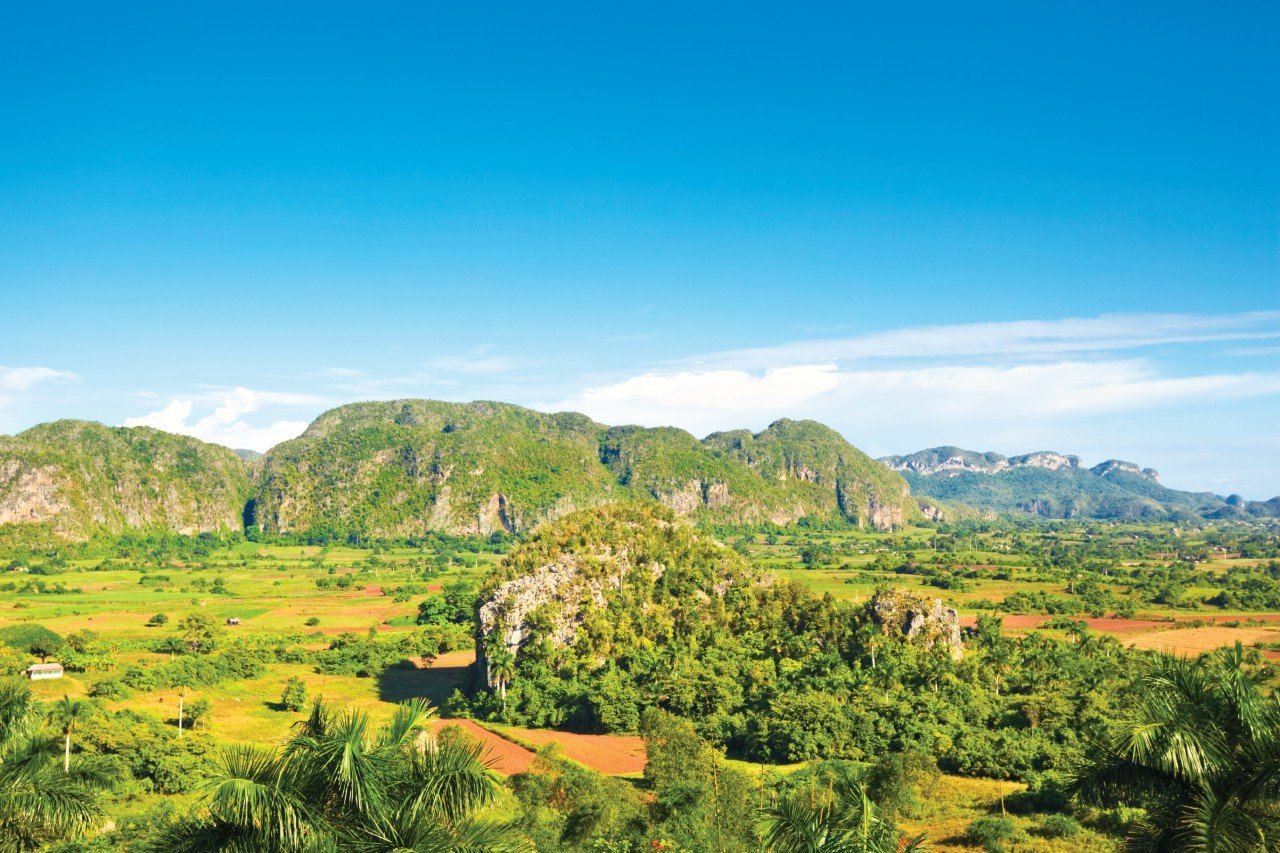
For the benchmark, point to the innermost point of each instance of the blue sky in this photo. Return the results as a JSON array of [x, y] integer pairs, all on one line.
[[1000, 226]]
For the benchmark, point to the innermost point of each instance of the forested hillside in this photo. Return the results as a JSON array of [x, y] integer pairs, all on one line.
[[80, 477], [400, 468]]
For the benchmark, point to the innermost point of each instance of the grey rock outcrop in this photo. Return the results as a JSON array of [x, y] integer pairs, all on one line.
[[950, 461], [560, 593], [911, 617]]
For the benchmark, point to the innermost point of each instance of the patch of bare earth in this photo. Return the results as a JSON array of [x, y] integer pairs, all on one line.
[[1193, 641], [506, 757], [609, 754]]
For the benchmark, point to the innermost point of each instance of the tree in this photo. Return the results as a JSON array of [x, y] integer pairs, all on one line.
[[157, 620], [294, 697], [840, 819], [43, 649], [40, 803], [171, 645], [198, 632], [502, 669], [1200, 752], [67, 714], [199, 713]]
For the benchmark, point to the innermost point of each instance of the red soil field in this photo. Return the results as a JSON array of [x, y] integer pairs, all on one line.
[[1105, 624], [506, 757], [1116, 625], [610, 754]]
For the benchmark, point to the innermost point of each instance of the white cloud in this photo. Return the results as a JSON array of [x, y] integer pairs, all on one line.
[[226, 424], [18, 384], [25, 378], [702, 400], [885, 404]]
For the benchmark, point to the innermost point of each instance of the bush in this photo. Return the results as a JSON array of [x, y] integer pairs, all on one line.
[[157, 620], [1060, 826], [312, 621], [294, 697], [198, 714], [110, 688], [992, 831]]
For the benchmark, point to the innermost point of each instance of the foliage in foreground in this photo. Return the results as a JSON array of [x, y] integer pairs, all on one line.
[[1200, 752], [44, 795], [337, 785]]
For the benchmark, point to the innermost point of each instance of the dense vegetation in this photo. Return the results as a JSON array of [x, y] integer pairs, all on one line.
[[769, 671], [395, 469]]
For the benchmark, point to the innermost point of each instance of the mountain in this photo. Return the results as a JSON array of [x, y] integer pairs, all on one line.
[[403, 467], [81, 477], [1055, 485]]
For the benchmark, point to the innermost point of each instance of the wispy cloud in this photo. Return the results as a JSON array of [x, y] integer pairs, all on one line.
[[24, 378], [226, 423], [18, 385], [478, 361], [1025, 339]]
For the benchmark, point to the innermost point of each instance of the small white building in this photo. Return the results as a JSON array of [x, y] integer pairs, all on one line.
[[42, 671]]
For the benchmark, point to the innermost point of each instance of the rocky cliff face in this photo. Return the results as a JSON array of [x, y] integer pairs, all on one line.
[[571, 572], [1112, 467], [1051, 485], [561, 593], [910, 617], [949, 461], [82, 477]]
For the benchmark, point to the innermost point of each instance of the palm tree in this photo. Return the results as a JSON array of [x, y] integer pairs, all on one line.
[[1200, 751], [832, 820], [338, 785], [502, 669], [40, 803], [171, 645], [67, 713]]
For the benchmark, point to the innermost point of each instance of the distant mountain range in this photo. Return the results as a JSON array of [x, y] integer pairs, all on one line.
[[406, 467], [1055, 485]]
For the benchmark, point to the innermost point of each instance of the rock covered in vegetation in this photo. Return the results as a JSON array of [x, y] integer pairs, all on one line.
[[80, 477], [404, 467], [912, 617], [579, 578]]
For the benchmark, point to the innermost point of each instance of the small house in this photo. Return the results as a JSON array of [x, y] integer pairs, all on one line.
[[42, 671], [234, 620]]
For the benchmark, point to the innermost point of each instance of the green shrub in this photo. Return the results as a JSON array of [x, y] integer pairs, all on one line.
[[1060, 826], [294, 697], [991, 832], [110, 688]]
